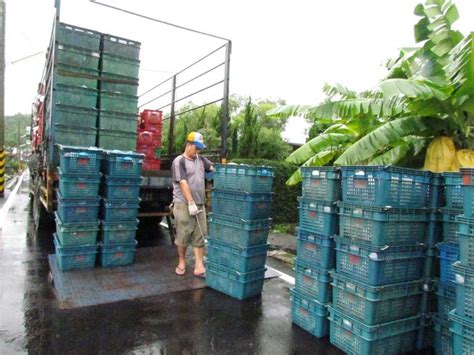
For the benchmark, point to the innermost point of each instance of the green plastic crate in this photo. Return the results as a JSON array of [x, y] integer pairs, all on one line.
[[111, 101], [375, 305], [238, 232], [248, 178], [81, 233], [233, 283], [318, 216], [117, 121], [75, 76], [321, 183], [75, 116], [309, 314], [443, 342], [355, 337], [312, 281], [74, 257], [75, 96], [74, 135], [118, 84], [118, 232], [120, 46], [79, 57], [77, 36], [382, 225], [463, 334], [450, 227], [122, 254], [465, 236], [108, 139], [377, 266], [119, 65]]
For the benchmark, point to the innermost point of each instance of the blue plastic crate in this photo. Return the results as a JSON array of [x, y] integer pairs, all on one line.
[[118, 232], [248, 178], [78, 186], [241, 204], [385, 186], [315, 249], [382, 225], [446, 294], [375, 305], [467, 191], [117, 254], [464, 277], [453, 193], [233, 283], [465, 236], [377, 266], [312, 282], [120, 210], [443, 343], [309, 314], [448, 254], [70, 234], [241, 259], [322, 183], [354, 337], [74, 257], [318, 217], [450, 226], [238, 231], [117, 163], [463, 334], [80, 160], [122, 188], [77, 210]]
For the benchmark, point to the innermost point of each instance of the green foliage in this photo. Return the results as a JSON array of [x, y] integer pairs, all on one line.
[[428, 92], [12, 124], [284, 205]]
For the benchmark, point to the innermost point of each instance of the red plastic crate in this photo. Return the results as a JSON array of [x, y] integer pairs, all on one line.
[[148, 138], [150, 151], [151, 117], [151, 164]]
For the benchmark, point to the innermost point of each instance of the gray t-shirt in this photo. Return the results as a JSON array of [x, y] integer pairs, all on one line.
[[191, 170]]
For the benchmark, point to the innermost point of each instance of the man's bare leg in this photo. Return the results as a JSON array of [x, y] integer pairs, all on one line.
[[199, 268], [181, 269]]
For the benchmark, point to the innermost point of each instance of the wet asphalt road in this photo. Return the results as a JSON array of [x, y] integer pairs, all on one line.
[[194, 322]]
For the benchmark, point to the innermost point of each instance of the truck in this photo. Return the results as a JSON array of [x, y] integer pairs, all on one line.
[[88, 75]]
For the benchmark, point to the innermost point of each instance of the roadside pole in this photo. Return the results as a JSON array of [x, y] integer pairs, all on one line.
[[2, 97]]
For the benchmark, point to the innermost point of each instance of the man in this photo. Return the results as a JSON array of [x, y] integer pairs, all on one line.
[[188, 200]]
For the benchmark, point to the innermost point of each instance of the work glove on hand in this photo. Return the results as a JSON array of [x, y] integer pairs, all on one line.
[[192, 208]]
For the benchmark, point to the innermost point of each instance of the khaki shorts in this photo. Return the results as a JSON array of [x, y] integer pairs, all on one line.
[[187, 229]]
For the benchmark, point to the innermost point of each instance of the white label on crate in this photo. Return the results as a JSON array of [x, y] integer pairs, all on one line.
[[315, 173], [327, 209], [354, 248], [373, 256], [347, 323], [460, 279], [359, 173], [358, 211], [312, 205], [350, 286]]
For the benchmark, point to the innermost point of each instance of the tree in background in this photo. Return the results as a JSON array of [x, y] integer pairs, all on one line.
[[427, 94]]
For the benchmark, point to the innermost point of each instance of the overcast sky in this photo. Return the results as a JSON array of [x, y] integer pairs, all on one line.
[[281, 49]]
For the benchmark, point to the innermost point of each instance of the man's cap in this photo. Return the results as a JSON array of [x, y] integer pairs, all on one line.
[[196, 139]]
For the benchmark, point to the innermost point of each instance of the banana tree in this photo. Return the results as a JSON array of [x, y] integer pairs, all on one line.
[[429, 91]]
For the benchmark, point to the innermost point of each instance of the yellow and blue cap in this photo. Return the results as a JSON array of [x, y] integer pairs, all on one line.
[[196, 139]]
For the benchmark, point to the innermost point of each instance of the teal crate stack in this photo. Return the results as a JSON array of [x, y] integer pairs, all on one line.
[[120, 204], [378, 283], [72, 90], [77, 224], [238, 229], [318, 223], [462, 271], [119, 73]]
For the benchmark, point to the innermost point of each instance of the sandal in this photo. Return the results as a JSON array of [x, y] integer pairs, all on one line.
[[180, 271]]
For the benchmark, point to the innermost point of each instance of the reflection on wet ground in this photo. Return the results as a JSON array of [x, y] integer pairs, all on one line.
[[194, 322]]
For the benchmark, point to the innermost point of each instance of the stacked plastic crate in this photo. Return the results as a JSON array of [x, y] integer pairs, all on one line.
[[462, 318], [150, 139], [318, 224], [77, 225], [74, 59], [238, 229], [377, 286], [120, 207], [119, 69], [448, 252]]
